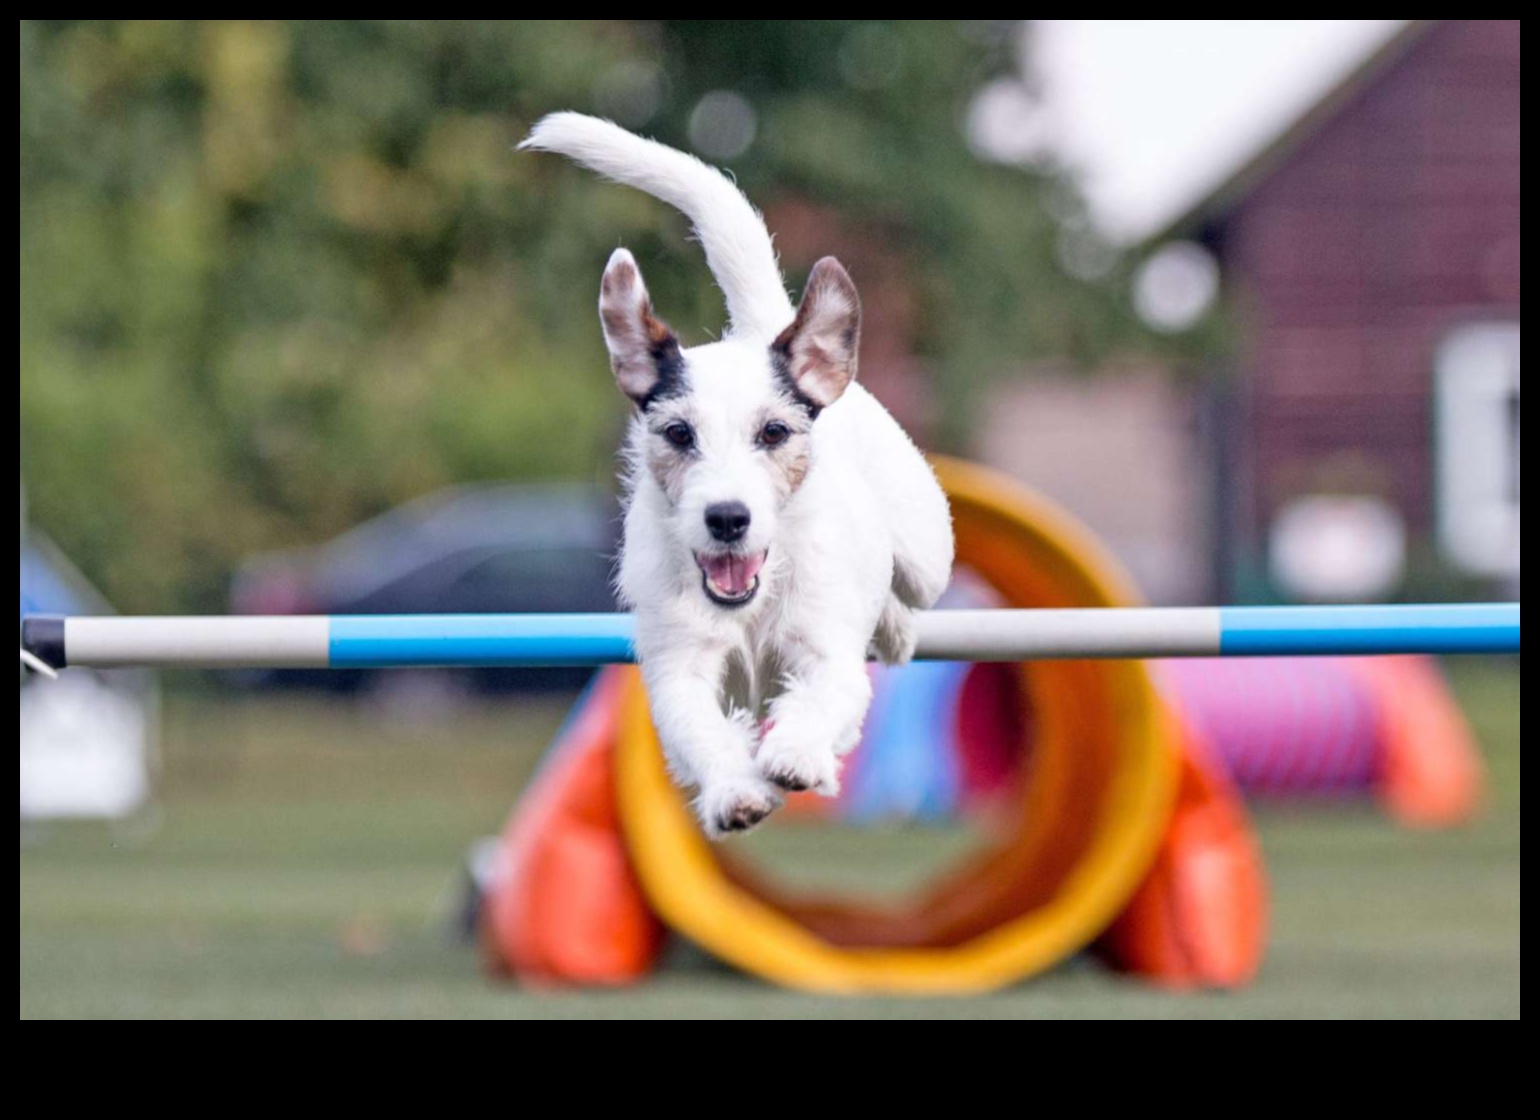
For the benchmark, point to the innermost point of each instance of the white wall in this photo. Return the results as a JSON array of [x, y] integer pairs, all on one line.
[[1120, 451]]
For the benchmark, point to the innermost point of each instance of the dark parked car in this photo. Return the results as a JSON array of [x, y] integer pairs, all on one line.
[[474, 550]]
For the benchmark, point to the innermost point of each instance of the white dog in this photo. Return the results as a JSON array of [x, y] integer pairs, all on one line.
[[780, 526]]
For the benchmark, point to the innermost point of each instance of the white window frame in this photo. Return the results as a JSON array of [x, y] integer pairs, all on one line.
[[1477, 460]]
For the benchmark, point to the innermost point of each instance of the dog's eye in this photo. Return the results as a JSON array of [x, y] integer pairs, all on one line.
[[680, 435], [774, 434]]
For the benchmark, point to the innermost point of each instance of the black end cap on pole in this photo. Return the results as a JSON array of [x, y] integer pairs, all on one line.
[[43, 637]]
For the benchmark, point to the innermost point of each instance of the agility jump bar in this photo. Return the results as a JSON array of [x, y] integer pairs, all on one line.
[[560, 641]]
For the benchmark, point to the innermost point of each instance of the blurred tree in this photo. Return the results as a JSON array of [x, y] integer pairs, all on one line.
[[277, 276]]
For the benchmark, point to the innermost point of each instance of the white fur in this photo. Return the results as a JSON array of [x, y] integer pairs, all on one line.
[[738, 247], [774, 694]]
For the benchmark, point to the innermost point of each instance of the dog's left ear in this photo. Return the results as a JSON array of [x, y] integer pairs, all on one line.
[[818, 351]]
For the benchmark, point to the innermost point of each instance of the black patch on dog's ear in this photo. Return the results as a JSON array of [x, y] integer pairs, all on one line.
[[780, 365], [644, 353], [816, 357], [668, 360]]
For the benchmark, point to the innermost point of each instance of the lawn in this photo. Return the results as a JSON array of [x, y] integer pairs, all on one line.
[[305, 865]]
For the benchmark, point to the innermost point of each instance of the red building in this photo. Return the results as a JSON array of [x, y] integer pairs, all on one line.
[[1372, 258]]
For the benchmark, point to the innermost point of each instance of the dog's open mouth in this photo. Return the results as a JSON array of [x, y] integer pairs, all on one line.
[[732, 579]]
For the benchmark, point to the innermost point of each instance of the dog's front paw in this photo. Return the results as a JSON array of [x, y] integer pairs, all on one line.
[[733, 808], [797, 768]]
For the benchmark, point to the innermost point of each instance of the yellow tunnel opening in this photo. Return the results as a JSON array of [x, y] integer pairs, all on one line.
[[1090, 812]]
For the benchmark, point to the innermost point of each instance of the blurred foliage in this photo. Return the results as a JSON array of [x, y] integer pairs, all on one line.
[[278, 276]]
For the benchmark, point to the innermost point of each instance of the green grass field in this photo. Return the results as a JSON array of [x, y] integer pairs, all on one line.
[[306, 866]]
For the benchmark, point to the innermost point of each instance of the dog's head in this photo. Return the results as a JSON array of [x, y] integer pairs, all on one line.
[[725, 430]]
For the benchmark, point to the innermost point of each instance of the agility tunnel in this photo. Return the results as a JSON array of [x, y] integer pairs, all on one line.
[[1385, 729], [1120, 833]]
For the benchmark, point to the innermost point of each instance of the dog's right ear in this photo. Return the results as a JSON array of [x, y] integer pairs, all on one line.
[[643, 351]]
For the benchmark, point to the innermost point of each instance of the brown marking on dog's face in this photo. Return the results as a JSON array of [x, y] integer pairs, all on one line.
[[794, 471], [790, 451], [668, 469], [818, 353], [644, 352], [668, 459]]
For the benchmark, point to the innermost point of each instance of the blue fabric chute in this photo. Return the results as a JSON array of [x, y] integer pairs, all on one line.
[[908, 768], [45, 590]]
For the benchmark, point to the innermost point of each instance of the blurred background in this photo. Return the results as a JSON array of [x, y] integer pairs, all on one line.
[[300, 333]]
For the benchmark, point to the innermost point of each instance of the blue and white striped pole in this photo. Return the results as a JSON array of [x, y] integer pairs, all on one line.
[[542, 641]]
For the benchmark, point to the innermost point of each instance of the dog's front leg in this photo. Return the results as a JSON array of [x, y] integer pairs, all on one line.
[[818, 719], [706, 747]]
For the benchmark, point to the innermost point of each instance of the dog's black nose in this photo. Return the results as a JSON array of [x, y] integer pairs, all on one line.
[[729, 521]]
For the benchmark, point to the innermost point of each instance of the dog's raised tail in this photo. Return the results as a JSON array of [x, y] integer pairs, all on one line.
[[738, 247]]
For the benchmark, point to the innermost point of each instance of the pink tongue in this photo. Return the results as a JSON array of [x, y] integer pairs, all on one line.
[[734, 575]]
